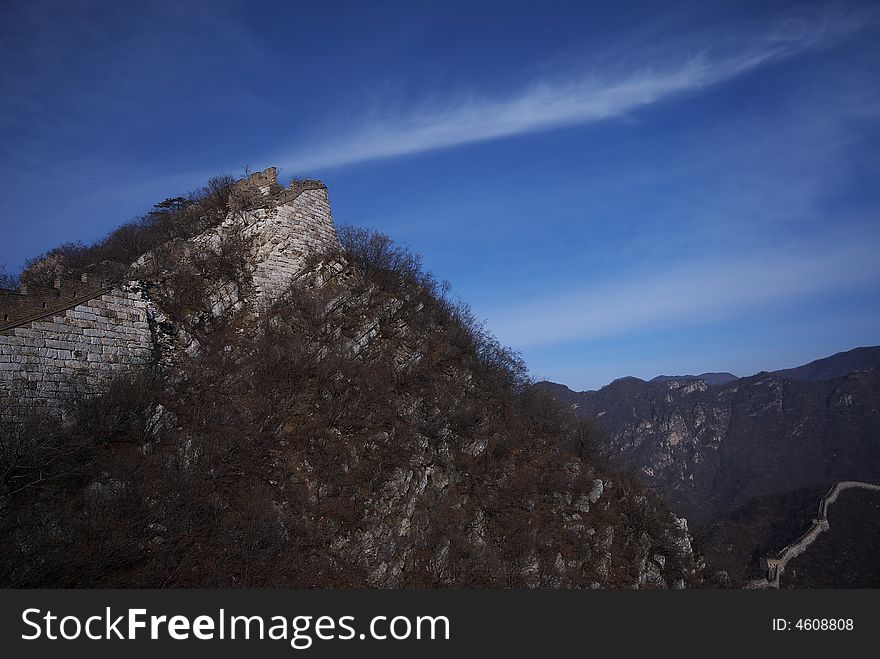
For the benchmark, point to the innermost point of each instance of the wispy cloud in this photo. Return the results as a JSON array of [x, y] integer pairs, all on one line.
[[570, 101], [696, 293]]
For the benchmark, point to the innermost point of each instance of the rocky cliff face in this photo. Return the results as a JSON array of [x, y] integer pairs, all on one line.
[[713, 449], [343, 425]]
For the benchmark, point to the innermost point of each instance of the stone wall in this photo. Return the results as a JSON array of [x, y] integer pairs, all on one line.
[[283, 234], [36, 301], [75, 351], [77, 336]]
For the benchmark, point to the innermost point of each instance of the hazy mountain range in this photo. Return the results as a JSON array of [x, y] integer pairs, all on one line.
[[753, 452], [827, 368]]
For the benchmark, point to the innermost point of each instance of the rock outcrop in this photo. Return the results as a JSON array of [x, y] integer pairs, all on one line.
[[710, 450]]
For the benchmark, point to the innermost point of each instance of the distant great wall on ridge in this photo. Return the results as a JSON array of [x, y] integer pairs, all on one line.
[[776, 564]]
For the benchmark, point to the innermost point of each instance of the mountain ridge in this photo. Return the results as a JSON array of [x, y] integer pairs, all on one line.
[[825, 368], [712, 451], [713, 379], [837, 365]]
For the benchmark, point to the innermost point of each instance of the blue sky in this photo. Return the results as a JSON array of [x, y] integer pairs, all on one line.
[[617, 188]]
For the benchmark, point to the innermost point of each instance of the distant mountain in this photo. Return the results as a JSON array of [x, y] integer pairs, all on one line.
[[712, 379], [835, 366], [828, 368], [733, 457]]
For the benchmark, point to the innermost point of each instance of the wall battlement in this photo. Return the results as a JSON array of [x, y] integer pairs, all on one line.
[[75, 336], [265, 182], [33, 301], [264, 188]]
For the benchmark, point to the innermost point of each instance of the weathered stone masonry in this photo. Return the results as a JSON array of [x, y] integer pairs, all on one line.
[[80, 335], [283, 235], [34, 302], [80, 348]]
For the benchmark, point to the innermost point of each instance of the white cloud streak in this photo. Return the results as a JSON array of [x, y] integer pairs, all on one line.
[[548, 105], [693, 294]]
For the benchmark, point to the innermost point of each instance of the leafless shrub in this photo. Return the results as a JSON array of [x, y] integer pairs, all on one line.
[[377, 254], [178, 217], [186, 282], [122, 414], [8, 280], [28, 446]]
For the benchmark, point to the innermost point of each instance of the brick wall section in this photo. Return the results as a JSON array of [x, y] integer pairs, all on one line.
[[81, 348], [294, 225], [33, 301], [263, 181]]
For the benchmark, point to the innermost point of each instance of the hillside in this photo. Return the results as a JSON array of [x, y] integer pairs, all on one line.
[[315, 413]]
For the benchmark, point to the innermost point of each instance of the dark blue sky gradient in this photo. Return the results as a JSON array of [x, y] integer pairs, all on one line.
[[618, 189]]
